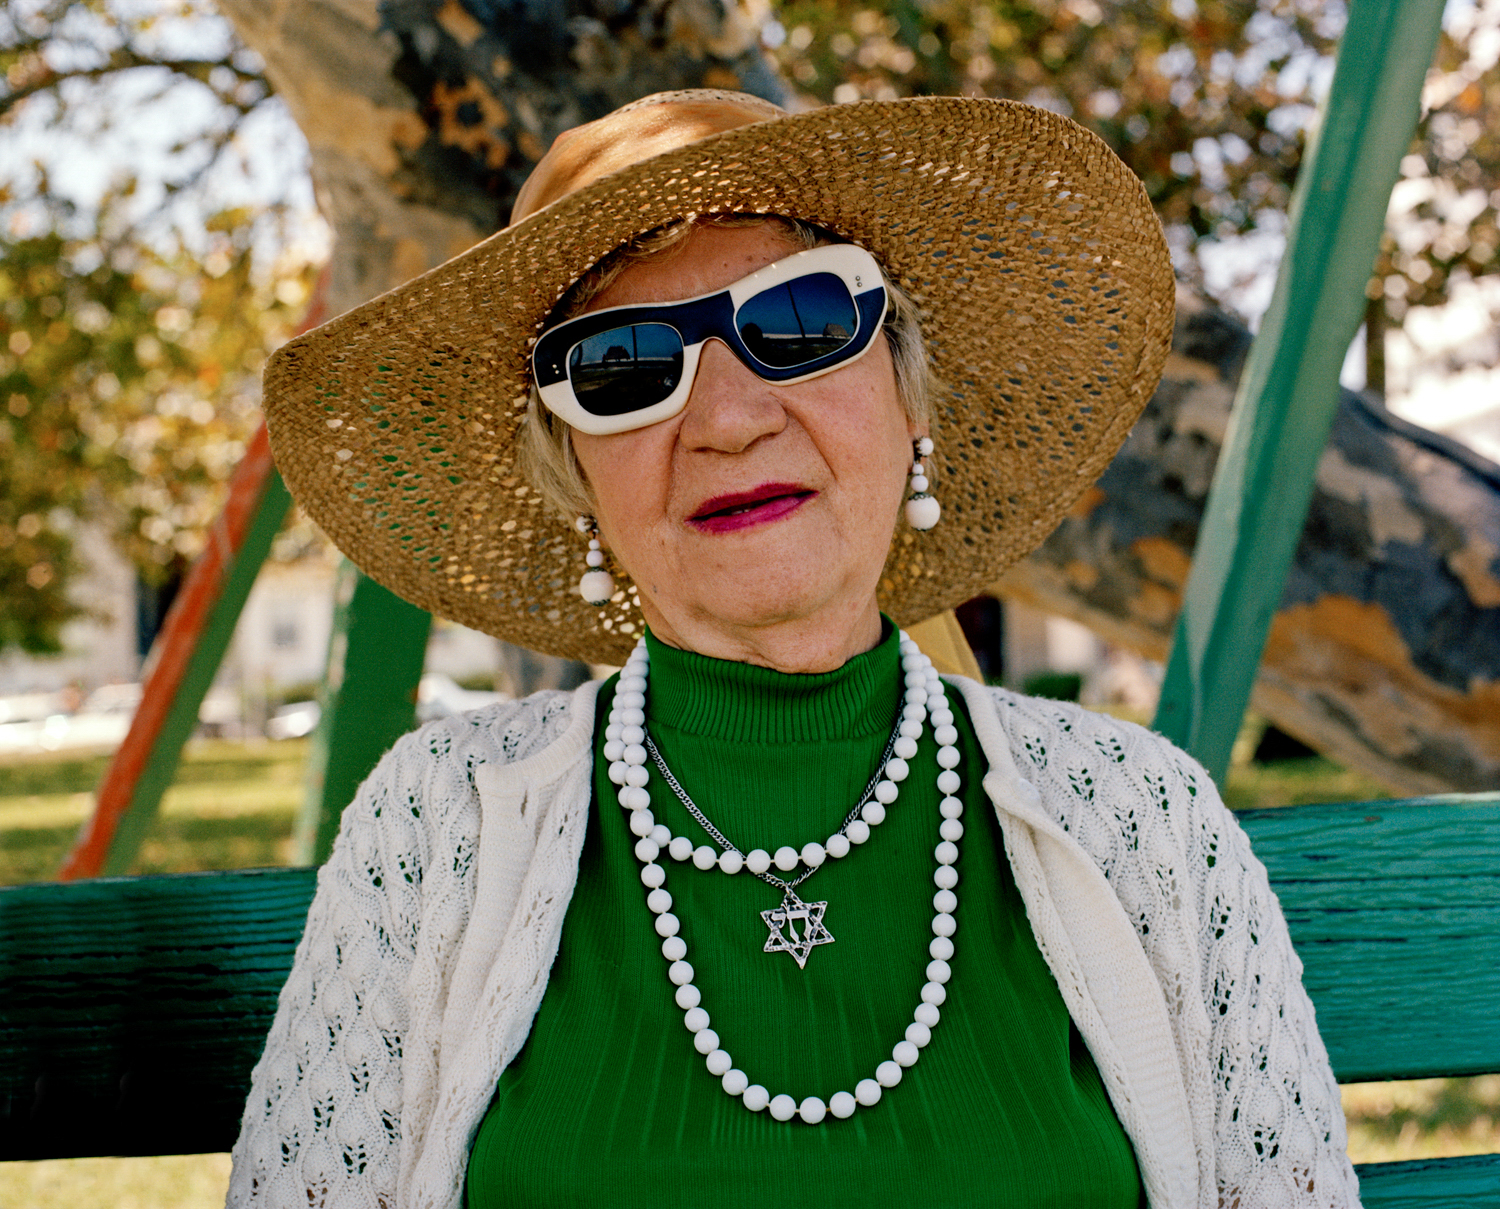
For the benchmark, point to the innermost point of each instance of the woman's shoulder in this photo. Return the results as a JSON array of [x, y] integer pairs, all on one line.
[[1085, 762], [504, 732]]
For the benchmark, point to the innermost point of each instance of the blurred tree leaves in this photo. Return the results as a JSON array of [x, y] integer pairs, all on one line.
[[1208, 101]]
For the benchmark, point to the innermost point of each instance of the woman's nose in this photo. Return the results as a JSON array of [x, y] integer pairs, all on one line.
[[729, 408]]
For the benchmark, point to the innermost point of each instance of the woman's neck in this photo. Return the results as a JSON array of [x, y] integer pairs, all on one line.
[[821, 643]]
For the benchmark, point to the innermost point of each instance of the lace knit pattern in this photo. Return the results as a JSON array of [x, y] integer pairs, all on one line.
[[345, 1099]]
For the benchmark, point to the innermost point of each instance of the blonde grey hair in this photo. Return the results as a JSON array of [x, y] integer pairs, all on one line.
[[546, 446]]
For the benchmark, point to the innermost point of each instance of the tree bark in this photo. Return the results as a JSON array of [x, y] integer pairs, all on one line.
[[424, 117], [1385, 650]]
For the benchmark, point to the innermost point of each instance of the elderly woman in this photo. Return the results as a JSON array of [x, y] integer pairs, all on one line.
[[777, 914]]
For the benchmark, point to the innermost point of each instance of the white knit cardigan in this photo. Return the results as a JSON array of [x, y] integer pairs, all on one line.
[[436, 920]]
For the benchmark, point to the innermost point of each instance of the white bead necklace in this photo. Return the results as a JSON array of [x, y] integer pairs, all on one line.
[[626, 749]]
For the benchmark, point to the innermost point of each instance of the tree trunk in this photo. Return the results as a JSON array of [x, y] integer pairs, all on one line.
[[423, 119], [1385, 651]]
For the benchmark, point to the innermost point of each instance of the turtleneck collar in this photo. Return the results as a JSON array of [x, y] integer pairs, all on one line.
[[699, 695]]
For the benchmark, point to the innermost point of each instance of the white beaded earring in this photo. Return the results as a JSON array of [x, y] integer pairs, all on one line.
[[597, 584], [922, 511]]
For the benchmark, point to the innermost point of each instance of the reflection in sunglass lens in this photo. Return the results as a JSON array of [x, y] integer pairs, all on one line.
[[798, 322], [626, 368]]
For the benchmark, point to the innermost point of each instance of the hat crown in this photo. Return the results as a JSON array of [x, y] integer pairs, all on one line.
[[651, 126]]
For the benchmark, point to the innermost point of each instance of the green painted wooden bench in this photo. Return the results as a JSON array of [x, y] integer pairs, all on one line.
[[132, 1009]]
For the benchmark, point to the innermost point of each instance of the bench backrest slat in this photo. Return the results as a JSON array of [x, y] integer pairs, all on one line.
[[132, 1009]]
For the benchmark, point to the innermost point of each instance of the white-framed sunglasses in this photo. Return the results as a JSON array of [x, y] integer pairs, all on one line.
[[631, 366]]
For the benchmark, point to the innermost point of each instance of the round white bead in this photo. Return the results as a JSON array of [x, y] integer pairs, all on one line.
[[633, 797], [948, 757], [705, 857], [631, 717], [641, 822], [934, 993], [939, 971], [813, 854], [911, 728], [922, 512], [945, 853], [842, 1105], [596, 587], [905, 1053], [735, 1082], [946, 735], [951, 808], [617, 771], [696, 1019], [706, 1041], [918, 1034], [634, 736], [613, 750], [951, 829], [648, 850], [887, 792], [916, 676], [812, 1110], [945, 900], [755, 1097], [680, 848], [948, 781], [718, 1062], [897, 769], [942, 716], [786, 858], [757, 860], [913, 713], [918, 483], [941, 949], [583, 524], [917, 697], [660, 836], [635, 753], [924, 446], [888, 1074], [873, 813], [868, 1092], [633, 682], [595, 558], [659, 901], [905, 748], [731, 860], [858, 831], [667, 925], [927, 1014], [783, 1107], [612, 731], [945, 876], [637, 775], [837, 845], [688, 996], [674, 948], [679, 973], [943, 925]]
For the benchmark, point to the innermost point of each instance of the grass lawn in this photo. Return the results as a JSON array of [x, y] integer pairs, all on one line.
[[233, 806]]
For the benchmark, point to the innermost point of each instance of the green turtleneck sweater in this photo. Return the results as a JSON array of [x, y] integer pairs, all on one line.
[[609, 1103]]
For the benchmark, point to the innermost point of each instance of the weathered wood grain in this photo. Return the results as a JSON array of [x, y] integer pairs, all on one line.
[[132, 1010]]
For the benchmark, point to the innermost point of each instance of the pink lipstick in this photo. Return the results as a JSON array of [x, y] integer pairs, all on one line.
[[740, 510]]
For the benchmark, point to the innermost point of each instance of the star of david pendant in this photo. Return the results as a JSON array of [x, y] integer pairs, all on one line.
[[796, 927]]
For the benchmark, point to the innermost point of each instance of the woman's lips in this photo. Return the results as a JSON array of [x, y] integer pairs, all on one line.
[[768, 502]]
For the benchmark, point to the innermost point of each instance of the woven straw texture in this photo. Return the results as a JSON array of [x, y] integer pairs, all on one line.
[[1032, 252]]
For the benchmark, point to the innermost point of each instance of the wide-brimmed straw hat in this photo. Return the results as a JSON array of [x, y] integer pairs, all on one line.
[[1032, 252]]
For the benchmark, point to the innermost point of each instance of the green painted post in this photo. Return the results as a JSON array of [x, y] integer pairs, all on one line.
[[107, 846], [1289, 390], [369, 695]]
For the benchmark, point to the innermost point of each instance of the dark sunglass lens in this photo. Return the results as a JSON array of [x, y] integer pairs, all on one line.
[[798, 322], [626, 368]]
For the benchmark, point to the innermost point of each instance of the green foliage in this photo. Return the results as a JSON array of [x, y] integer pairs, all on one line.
[[130, 383], [1208, 102]]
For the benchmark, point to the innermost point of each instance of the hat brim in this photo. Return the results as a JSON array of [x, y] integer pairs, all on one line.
[[1033, 254]]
